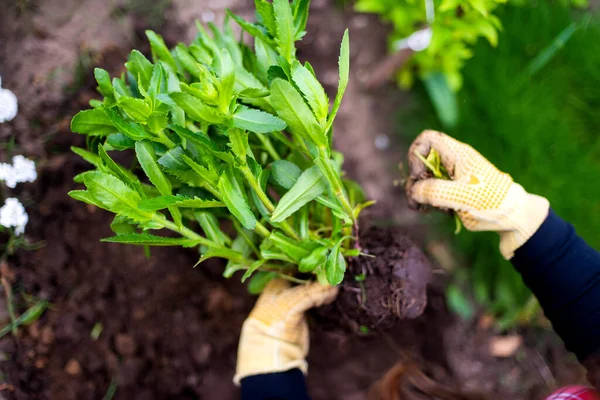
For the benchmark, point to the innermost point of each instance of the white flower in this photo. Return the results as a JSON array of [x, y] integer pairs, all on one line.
[[21, 170], [13, 214], [8, 104], [24, 169], [418, 41]]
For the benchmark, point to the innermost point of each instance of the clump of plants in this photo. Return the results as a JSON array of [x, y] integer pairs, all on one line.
[[456, 26], [231, 150]]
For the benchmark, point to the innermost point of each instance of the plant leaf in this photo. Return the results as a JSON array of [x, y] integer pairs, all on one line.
[[161, 202], [118, 141], [443, 98], [238, 141], [92, 122], [284, 22], [159, 49], [253, 29], [335, 266], [104, 85], [300, 17], [117, 170], [264, 12], [290, 107], [344, 63], [227, 75], [87, 156], [309, 185], [130, 129], [259, 281], [257, 121], [316, 258], [172, 160], [186, 60], [139, 66], [234, 199], [311, 89], [146, 239], [147, 159], [137, 109], [196, 109], [285, 173], [121, 225], [86, 197], [297, 250], [252, 268], [203, 141], [113, 195], [210, 226]]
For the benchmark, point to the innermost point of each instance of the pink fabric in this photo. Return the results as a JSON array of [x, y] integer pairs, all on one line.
[[574, 392]]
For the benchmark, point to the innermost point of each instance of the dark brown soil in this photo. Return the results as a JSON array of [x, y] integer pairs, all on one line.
[[389, 286]]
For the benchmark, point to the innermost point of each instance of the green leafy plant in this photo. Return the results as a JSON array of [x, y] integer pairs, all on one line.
[[232, 151], [456, 26]]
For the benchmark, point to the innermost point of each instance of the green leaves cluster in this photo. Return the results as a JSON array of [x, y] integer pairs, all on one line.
[[229, 147], [457, 26]]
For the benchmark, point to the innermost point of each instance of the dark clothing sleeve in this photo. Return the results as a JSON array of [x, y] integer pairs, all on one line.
[[564, 274], [288, 385]]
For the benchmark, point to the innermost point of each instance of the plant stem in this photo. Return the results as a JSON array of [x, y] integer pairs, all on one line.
[[10, 303], [266, 142], [285, 226], [162, 137], [257, 189], [334, 181], [262, 230], [188, 233]]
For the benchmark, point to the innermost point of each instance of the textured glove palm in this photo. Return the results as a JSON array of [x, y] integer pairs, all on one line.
[[275, 336], [485, 198]]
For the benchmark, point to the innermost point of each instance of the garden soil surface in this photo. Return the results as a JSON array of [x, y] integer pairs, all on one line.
[[169, 331]]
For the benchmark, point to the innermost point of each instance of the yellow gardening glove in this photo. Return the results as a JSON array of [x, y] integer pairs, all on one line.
[[485, 198], [275, 336]]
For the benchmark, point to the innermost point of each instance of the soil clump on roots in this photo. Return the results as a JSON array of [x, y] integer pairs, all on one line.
[[386, 285]]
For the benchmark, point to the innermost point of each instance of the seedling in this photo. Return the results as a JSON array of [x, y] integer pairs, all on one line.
[[232, 150], [434, 164]]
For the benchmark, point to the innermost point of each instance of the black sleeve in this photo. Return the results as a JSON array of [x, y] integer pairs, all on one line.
[[288, 385], [564, 274]]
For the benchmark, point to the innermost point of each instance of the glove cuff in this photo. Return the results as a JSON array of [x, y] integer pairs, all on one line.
[[262, 350], [526, 213], [302, 365]]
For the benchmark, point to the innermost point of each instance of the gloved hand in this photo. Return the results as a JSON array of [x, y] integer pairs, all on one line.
[[275, 336], [485, 198]]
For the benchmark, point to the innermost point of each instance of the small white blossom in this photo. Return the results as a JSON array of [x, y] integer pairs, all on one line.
[[8, 104], [24, 169], [21, 170], [418, 41], [13, 214]]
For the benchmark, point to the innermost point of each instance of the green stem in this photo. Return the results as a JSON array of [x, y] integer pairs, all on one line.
[[162, 136], [266, 142], [188, 233], [334, 181], [213, 190], [285, 226], [262, 230], [257, 189]]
